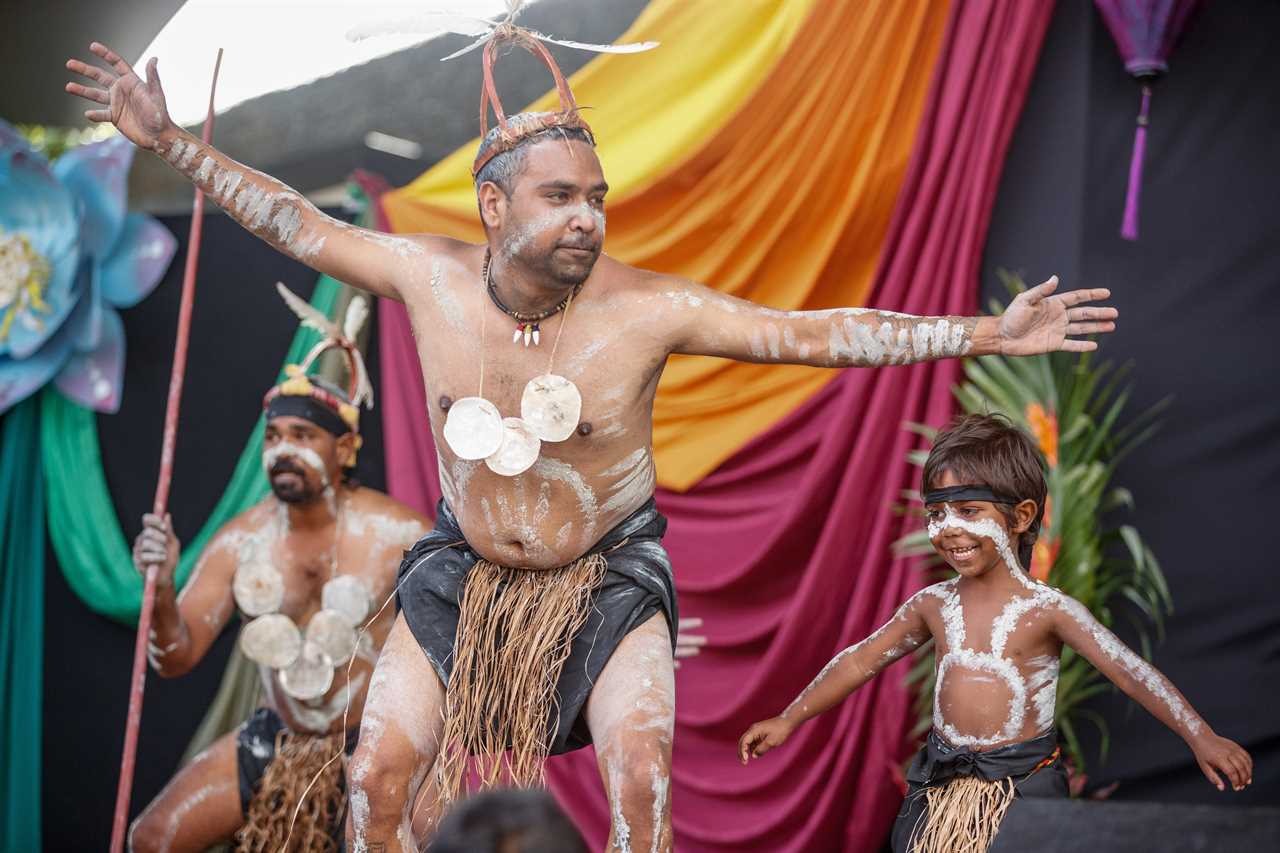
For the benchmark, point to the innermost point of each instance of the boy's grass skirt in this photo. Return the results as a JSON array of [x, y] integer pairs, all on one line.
[[957, 797]]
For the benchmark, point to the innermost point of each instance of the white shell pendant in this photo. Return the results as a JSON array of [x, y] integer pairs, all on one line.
[[272, 640], [335, 636], [551, 405], [310, 676], [473, 428], [258, 588], [349, 597], [519, 450]]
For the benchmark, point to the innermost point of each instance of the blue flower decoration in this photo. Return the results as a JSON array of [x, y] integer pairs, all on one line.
[[70, 256]]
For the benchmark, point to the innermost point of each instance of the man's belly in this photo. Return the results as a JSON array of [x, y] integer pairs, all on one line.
[[549, 516]]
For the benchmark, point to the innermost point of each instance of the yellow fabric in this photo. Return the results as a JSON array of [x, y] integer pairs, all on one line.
[[759, 150]]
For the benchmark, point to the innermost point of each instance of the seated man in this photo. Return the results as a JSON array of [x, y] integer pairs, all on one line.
[[308, 567]]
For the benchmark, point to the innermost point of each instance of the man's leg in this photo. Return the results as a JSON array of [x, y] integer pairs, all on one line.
[[631, 713], [399, 738], [197, 809]]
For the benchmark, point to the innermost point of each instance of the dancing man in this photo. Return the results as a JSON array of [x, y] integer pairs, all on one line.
[[540, 614]]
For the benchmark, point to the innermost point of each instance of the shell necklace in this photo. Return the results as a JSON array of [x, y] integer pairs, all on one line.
[[550, 408], [305, 660]]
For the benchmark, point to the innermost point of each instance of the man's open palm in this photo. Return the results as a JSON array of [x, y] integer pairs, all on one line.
[[1038, 321], [135, 107]]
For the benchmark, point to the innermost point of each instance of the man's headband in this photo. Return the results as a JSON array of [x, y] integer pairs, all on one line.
[[531, 124], [966, 493]]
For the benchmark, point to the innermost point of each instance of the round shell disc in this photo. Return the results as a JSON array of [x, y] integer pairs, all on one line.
[[310, 676], [272, 640], [519, 450], [333, 634], [258, 588], [551, 405], [473, 428], [349, 597]]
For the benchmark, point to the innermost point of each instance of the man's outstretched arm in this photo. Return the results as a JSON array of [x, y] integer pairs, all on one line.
[[706, 322], [366, 259]]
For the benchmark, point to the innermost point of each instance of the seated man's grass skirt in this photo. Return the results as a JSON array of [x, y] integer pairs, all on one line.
[[293, 795], [519, 650]]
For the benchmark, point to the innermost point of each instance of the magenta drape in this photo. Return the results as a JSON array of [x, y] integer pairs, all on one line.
[[784, 551]]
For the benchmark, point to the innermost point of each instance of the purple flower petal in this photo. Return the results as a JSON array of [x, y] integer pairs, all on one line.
[[138, 262], [98, 176], [19, 378], [95, 379]]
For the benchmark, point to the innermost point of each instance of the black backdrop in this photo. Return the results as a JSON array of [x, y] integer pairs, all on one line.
[[1199, 296], [239, 336], [1200, 308]]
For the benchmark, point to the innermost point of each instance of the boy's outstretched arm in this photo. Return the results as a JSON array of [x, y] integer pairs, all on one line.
[[845, 673], [1147, 686]]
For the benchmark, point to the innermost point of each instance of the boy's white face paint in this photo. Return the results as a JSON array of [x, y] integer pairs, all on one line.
[[1037, 686]]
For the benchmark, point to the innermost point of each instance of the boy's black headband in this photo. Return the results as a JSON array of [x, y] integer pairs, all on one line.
[[966, 493]]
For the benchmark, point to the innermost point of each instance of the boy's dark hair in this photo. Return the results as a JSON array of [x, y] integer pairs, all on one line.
[[507, 821], [988, 450]]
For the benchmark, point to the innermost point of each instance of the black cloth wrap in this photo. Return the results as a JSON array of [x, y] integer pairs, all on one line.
[[300, 406], [938, 762], [256, 749], [966, 493], [638, 584]]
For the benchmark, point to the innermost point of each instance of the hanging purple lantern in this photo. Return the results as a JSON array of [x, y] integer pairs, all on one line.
[[1145, 32]]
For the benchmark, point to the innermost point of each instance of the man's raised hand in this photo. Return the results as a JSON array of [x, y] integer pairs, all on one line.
[[1039, 321], [134, 106]]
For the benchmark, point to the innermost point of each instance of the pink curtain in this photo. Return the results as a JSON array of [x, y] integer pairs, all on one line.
[[785, 549]]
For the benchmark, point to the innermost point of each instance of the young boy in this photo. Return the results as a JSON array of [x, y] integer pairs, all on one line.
[[999, 636]]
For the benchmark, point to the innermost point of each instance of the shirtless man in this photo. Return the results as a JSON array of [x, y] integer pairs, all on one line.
[[278, 560], [542, 204]]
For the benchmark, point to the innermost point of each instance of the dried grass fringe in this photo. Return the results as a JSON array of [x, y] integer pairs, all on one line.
[[963, 815], [515, 631], [298, 760]]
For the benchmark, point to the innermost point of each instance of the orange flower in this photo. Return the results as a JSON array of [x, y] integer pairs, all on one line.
[[1043, 553], [1044, 425]]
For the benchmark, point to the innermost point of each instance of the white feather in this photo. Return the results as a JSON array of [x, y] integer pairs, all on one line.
[[357, 313], [477, 43], [310, 316], [424, 24], [631, 47]]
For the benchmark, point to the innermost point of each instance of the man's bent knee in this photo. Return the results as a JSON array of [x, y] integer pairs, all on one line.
[[147, 834]]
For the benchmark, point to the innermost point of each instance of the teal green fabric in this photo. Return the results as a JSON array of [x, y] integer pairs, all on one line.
[[90, 545], [21, 626]]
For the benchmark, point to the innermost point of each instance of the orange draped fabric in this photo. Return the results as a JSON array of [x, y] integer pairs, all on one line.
[[759, 150]]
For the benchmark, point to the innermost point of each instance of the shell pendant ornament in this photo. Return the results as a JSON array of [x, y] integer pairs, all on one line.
[[473, 428], [310, 676], [333, 634], [258, 588], [519, 450], [551, 405], [348, 596], [271, 640]]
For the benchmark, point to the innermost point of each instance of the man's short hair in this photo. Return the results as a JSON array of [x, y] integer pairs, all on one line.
[[504, 169], [507, 821], [989, 450]]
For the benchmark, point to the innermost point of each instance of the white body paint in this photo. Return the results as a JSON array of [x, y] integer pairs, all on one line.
[[1038, 689]]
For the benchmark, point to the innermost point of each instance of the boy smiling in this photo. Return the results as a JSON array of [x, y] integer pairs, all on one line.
[[999, 637]]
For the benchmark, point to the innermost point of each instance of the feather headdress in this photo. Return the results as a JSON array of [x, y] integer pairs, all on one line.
[[492, 34], [360, 389]]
